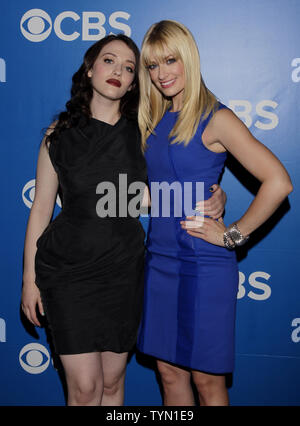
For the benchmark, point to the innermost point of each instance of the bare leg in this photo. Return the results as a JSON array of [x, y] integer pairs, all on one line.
[[211, 389], [84, 378], [114, 369], [176, 383]]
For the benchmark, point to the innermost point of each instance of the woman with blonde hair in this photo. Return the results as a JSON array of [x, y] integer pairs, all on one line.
[[191, 269]]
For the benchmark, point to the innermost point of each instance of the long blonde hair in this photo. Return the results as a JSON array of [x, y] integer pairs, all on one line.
[[197, 99]]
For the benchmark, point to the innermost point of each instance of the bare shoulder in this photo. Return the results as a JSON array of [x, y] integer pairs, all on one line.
[[45, 168], [221, 120], [49, 130], [226, 126], [224, 117]]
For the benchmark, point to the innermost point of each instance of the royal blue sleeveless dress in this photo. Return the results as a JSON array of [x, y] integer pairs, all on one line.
[[190, 285]]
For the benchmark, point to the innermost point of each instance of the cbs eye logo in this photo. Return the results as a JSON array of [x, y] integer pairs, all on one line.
[[34, 358], [36, 25], [28, 193]]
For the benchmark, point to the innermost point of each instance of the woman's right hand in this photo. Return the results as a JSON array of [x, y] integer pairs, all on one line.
[[31, 299]]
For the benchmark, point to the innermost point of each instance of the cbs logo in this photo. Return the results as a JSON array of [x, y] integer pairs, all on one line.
[[254, 280], [34, 358], [36, 25], [28, 193], [243, 110]]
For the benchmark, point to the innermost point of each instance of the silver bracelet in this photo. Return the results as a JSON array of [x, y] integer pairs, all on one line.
[[228, 242], [236, 236]]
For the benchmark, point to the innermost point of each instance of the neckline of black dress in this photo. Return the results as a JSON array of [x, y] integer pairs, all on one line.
[[100, 122]]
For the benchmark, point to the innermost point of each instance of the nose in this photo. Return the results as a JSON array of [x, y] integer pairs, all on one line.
[[162, 72], [118, 69]]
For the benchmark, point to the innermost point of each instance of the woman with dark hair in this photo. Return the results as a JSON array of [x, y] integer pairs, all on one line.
[[85, 272]]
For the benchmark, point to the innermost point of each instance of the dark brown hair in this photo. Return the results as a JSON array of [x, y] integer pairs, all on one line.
[[78, 106]]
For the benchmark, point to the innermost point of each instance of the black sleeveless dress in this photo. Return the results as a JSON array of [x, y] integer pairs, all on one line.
[[89, 269]]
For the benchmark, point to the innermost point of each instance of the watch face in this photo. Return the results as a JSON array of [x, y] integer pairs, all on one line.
[[236, 236]]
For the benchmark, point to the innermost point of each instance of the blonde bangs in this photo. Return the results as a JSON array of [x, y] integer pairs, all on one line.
[[159, 47]]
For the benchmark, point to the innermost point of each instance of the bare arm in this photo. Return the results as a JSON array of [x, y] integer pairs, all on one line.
[[39, 218], [226, 132]]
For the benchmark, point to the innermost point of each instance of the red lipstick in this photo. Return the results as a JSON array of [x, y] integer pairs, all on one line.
[[114, 82]]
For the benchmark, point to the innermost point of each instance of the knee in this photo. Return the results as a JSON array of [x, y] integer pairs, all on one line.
[[113, 385], [171, 376], [207, 384], [86, 393]]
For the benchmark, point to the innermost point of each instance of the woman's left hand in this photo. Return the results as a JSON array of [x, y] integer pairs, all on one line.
[[205, 228]]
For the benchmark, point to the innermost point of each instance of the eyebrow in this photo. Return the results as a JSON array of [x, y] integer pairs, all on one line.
[[113, 54], [159, 59]]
